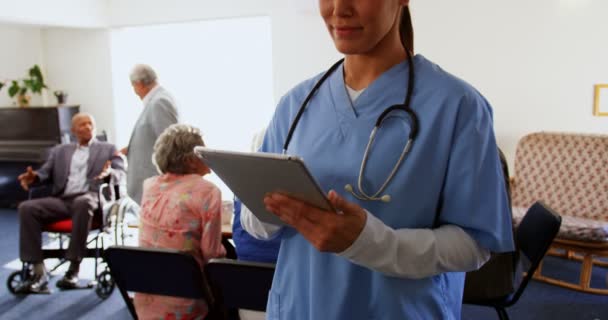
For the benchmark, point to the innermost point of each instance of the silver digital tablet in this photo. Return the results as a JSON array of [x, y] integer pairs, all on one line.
[[251, 175]]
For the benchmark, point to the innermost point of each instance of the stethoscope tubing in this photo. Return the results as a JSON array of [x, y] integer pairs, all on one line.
[[361, 194]]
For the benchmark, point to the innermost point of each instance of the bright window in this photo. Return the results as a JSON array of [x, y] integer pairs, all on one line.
[[219, 71]]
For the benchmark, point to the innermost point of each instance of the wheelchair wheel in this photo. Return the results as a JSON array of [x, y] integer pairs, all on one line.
[[14, 281], [105, 285]]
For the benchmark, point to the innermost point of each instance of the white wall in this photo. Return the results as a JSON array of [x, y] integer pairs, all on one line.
[[301, 48], [535, 61], [219, 88], [21, 50], [68, 13], [203, 76], [141, 12], [74, 60], [78, 61]]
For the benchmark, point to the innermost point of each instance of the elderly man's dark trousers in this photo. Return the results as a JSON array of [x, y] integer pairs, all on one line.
[[34, 214]]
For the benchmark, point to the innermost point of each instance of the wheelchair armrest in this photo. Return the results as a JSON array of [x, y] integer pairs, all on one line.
[[106, 194], [110, 189]]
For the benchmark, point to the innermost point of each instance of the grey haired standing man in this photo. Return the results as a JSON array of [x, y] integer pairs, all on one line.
[[159, 112]]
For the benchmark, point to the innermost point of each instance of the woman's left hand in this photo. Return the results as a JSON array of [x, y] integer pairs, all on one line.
[[326, 230]]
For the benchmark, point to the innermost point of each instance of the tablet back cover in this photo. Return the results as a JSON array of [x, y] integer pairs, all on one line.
[[251, 175]]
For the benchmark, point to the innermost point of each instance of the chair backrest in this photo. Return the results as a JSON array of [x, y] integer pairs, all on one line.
[[533, 237], [156, 271], [240, 284], [102, 136], [567, 171]]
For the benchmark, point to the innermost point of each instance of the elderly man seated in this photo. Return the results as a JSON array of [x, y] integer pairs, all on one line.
[[75, 171]]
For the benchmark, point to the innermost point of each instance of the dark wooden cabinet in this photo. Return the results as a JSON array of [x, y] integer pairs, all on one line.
[[26, 136]]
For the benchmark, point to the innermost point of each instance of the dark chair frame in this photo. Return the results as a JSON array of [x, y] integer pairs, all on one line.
[[240, 284], [165, 272], [533, 238]]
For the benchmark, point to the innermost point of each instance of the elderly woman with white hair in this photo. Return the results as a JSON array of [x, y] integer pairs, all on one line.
[[159, 112], [180, 210]]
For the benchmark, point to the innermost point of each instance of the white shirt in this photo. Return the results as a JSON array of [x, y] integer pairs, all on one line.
[[354, 94], [77, 179]]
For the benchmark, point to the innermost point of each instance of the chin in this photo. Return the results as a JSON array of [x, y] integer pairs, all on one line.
[[345, 49], [348, 48]]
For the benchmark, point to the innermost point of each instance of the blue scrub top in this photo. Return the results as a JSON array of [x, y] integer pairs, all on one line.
[[249, 248], [452, 172]]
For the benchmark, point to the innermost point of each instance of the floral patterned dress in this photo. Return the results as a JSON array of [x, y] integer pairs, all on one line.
[[179, 212]]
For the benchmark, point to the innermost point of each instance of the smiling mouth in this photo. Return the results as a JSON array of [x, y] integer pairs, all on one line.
[[345, 32]]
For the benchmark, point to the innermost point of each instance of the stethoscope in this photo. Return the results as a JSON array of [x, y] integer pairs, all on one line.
[[360, 193]]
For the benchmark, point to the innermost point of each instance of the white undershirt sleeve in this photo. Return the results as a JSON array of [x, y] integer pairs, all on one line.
[[415, 253], [255, 227]]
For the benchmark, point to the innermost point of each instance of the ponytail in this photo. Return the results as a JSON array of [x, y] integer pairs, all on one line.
[[406, 30]]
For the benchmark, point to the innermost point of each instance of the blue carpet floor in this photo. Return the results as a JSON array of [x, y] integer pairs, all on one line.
[[540, 301], [75, 304]]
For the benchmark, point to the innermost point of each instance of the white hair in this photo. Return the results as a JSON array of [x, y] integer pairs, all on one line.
[[173, 148], [144, 74]]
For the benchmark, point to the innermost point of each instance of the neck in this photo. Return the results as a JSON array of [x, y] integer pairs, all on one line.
[[362, 69], [147, 90], [83, 142]]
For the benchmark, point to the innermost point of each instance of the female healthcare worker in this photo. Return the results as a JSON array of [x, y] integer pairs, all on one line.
[[412, 218]]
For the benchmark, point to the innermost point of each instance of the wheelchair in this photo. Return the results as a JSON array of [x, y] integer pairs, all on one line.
[[109, 225]]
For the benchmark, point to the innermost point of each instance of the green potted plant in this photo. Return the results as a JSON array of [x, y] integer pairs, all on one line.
[[33, 83]]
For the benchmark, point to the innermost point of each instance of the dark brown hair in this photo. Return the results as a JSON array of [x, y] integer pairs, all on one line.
[[406, 30]]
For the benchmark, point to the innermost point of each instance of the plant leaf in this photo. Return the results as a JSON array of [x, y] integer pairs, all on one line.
[[32, 84], [14, 88], [36, 73], [1, 85], [36, 81]]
